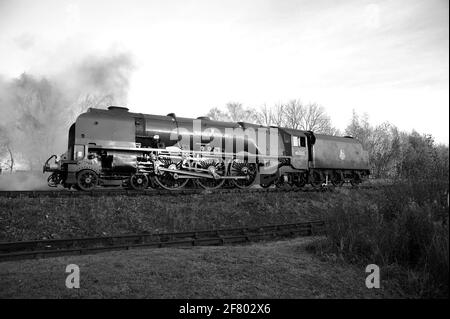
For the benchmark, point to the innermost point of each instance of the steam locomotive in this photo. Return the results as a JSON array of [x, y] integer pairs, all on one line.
[[115, 147]]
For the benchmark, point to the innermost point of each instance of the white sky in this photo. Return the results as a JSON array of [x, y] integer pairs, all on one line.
[[387, 58]]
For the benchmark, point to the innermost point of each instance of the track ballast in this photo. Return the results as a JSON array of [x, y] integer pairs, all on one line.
[[162, 192]]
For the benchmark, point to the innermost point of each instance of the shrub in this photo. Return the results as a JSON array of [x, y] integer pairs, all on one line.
[[406, 227]]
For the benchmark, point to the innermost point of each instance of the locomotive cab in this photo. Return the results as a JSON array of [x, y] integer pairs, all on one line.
[[299, 151]]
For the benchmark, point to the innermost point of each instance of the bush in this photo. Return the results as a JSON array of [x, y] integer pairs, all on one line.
[[406, 227]]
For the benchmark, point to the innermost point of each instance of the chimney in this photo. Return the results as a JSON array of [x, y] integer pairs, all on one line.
[[117, 108]]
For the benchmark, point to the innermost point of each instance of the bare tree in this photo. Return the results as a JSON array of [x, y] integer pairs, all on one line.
[[251, 115], [265, 116], [217, 115], [11, 158], [315, 119], [417, 157], [234, 112], [277, 117], [38, 116], [84, 102], [293, 114], [384, 141], [360, 129], [441, 166], [5, 150]]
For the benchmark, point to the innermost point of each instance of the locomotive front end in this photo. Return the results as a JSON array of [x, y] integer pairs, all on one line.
[[99, 152], [56, 165], [53, 166]]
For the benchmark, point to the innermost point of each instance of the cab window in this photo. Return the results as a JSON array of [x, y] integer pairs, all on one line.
[[302, 141], [299, 141]]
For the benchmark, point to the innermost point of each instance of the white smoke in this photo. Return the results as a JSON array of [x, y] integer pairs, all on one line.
[[37, 110]]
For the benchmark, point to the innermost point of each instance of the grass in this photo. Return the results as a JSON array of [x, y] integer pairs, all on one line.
[[265, 270], [403, 229], [39, 218]]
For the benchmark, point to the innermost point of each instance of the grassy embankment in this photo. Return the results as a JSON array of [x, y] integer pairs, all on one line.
[[402, 229], [39, 218]]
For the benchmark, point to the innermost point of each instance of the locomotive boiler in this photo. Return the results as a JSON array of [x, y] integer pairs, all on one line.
[[116, 147]]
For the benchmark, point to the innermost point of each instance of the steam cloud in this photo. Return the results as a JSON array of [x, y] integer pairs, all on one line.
[[36, 111]]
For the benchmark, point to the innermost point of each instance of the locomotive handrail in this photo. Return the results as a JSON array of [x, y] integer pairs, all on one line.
[[169, 152], [46, 163]]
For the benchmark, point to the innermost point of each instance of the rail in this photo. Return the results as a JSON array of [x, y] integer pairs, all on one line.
[[70, 246], [162, 192]]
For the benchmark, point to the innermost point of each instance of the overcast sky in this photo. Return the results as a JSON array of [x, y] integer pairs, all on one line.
[[387, 58]]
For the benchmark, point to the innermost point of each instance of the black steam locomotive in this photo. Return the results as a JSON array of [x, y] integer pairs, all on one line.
[[115, 147]]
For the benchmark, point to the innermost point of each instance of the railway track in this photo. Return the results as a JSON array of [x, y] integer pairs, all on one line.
[[74, 246], [161, 192], [100, 192]]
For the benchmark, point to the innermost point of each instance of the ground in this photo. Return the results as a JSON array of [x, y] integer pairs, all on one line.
[[43, 218], [281, 269]]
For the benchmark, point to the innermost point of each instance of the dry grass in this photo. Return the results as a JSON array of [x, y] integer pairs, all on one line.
[[404, 230], [266, 270], [401, 229], [38, 218]]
